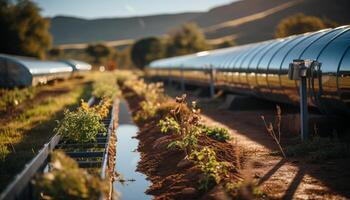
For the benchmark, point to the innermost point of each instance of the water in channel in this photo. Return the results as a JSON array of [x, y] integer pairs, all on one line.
[[127, 159]]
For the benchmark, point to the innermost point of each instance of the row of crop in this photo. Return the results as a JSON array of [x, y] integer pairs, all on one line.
[[184, 122], [12, 98], [66, 180]]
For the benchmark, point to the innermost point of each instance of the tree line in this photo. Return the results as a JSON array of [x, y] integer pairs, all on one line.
[[23, 30]]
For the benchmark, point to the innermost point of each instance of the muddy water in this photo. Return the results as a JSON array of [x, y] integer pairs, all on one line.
[[135, 183]]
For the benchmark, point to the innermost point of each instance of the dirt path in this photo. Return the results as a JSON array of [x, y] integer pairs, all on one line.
[[279, 178]]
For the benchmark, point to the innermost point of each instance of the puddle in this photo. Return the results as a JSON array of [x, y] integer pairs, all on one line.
[[135, 183]]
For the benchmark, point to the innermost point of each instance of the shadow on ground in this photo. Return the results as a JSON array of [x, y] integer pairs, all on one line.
[[284, 178]]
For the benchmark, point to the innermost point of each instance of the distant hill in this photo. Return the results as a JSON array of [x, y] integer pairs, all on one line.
[[67, 30], [256, 20], [246, 21]]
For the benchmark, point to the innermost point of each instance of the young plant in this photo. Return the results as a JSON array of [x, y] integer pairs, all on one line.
[[105, 86], [169, 124], [101, 109], [216, 133], [183, 124], [275, 132], [148, 110], [66, 180], [4, 151], [213, 170], [152, 93], [80, 126]]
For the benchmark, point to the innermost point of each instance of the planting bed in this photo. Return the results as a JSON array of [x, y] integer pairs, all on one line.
[[83, 138], [27, 127], [98, 157], [172, 175]]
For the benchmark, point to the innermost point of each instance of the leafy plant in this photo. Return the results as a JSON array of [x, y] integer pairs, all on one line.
[[102, 109], [80, 126], [217, 133], [66, 180], [213, 170], [184, 126], [148, 109], [188, 143], [152, 93], [12, 98], [4, 151], [105, 86], [169, 124]]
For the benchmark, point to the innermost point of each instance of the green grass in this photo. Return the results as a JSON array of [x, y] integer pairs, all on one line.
[[9, 99], [22, 136]]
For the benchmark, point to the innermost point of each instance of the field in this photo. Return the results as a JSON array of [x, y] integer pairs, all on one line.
[[27, 127], [190, 146]]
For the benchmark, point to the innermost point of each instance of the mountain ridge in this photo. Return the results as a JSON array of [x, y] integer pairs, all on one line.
[[241, 19]]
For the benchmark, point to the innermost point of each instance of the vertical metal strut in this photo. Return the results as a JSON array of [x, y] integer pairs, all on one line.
[[302, 70]]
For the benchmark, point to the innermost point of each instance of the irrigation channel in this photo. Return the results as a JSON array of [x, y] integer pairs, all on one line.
[[132, 184], [92, 155]]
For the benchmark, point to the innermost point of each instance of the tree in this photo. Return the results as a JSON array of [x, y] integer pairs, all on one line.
[[225, 44], [124, 59], [298, 24], [23, 30], [99, 52], [188, 39], [146, 50], [56, 52]]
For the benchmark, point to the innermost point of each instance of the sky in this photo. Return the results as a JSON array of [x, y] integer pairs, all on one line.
[[91, 9]]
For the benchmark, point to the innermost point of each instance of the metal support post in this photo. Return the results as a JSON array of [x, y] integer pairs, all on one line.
[[302, 70], [304, 114], [182, 80], [169, 77], [212, 81]]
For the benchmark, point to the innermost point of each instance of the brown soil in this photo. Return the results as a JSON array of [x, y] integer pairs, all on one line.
[[291, 178], [173, 177]]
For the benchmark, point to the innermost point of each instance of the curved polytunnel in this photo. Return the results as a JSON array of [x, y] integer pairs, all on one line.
[[290, 87], [343, 78], [261, 69], [274, 71], [331, 56], [17, 71], [78, 65], [244, 67]]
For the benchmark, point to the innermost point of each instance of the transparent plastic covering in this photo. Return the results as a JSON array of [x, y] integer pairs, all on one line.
[[262, 68], [78, 65], [18, 71], [35, 66]]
